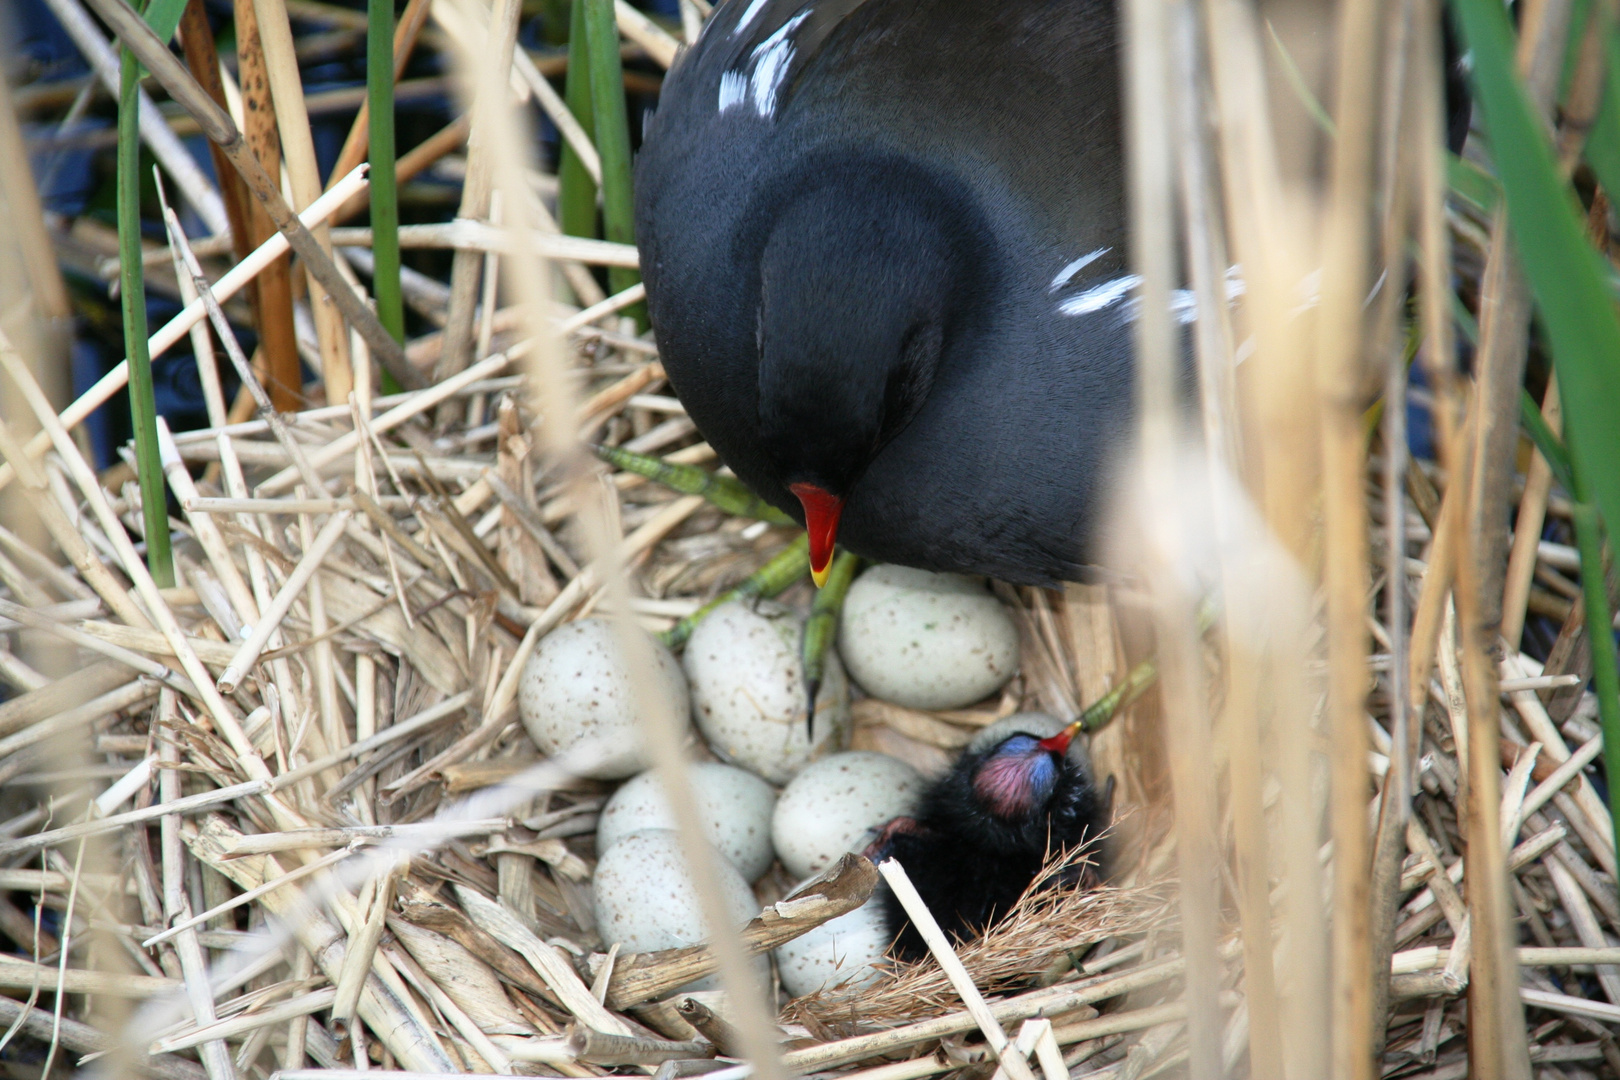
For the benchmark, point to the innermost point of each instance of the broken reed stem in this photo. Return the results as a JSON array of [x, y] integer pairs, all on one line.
[[247, 654], [923, 919], [497, 44], [376, 896], [379, 121], [132, 302]]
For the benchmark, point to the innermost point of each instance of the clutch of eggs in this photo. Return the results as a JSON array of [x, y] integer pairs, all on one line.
[[922, 640]]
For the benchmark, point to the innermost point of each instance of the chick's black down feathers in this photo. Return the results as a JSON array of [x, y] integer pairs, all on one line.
[[975, 844]]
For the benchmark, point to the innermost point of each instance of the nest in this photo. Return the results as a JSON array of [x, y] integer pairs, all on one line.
[[1063, 915]]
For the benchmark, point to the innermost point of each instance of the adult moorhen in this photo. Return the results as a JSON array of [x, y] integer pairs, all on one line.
[[883, 243]]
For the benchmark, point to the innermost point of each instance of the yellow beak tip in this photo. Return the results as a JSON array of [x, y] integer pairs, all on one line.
[[820, 576]]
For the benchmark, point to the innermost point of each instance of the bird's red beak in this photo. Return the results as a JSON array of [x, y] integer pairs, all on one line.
[[1059, 743], [821, 512]]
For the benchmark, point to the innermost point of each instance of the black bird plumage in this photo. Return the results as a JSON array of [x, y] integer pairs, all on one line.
[[984, 830], [883, 243]]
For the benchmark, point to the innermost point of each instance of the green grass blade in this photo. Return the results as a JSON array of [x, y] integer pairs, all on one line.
[[612, 137], [576, 198], [132, 298], [1565, 274], [163, 16], [384, 190]]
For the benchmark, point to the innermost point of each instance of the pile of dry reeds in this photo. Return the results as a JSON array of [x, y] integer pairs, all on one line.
[[279, 814]]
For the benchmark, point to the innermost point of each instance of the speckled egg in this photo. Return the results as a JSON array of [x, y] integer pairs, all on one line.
[[735, 805], [577, 697], [645, 899], [842, 952], [834, 804], [925, 640], [748, 694]]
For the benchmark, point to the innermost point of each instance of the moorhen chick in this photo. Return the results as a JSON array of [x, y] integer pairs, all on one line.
[[883, 244], [984, 830]]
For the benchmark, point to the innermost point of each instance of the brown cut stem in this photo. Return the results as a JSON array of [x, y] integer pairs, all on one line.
[[284, 373], [292, 121]]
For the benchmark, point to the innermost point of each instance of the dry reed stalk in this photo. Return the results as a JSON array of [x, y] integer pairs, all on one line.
[[303, 1005], [493, 1055], [202, 59], [191, 922], [383, 1007], [371, 913], [545, 959], [176, 328], [1528, 522], [114, 652], [62, 530], [414, 406], [476, 190], [21, 199], [135, 567], [1339, 370], [1011, 1061], [1497, 1049], [646, 33], [239, 360], [1269, 223], [1160, 524], [1052, 1001], [247, 653]]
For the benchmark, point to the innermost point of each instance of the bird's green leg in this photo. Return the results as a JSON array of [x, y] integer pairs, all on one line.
[[789, 565], [725, 492], [822, 626]]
